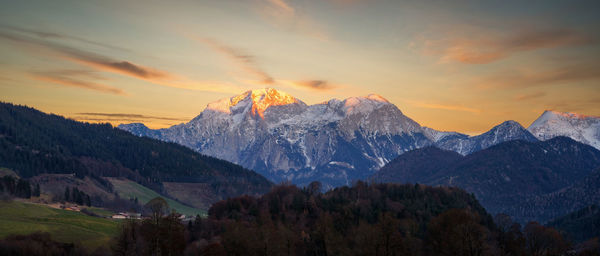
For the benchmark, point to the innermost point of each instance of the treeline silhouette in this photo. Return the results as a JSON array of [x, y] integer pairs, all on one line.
[[367, 219], [12, 186], [39, 244], [74, 195]]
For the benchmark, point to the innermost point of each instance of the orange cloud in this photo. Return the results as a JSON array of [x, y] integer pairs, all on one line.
[[482, 47], [127, 116], [284, 15], [92, 59], [319, 85], [47, 34], [123, 67], [70, 82]]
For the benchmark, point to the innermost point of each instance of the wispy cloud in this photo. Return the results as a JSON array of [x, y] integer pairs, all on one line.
[[119, 118], [127, 116], [445, 107], [529, 96], [531, 78], [248, 63], [123, 67], [54, 35], [319, 85], [61, 79], [283, 6], [245, 61], [282, 14], [91, 59], [478, 46]]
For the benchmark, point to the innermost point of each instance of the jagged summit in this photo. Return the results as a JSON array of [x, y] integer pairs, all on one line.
[[258, 100], [509, 124], [364, 104]]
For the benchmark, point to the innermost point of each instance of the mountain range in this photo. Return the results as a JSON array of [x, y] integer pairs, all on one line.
[[338, 141]]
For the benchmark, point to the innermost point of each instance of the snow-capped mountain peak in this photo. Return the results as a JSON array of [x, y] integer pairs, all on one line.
[[364, 104], [282, 138], [257, 101], [582, 128]]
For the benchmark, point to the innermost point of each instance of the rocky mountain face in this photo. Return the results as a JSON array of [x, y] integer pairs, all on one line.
[[585, 129], [510, 177], [283, 138], [334, 142]]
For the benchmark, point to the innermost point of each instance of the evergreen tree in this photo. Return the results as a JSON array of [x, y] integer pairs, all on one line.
[[23, 189], [36, 190], [67, 194]]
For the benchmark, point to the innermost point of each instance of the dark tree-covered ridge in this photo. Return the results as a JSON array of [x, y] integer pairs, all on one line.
[[32, 143], [527, 180]]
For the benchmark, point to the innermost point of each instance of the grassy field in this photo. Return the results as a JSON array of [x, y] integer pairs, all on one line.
[[64, 226], [129, 189], [100, 212]]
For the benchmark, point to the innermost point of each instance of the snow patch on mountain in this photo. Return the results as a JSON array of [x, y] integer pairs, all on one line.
[[506, 131], [582, 128]]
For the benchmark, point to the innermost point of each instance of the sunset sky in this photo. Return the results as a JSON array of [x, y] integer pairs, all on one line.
[[451, 65]]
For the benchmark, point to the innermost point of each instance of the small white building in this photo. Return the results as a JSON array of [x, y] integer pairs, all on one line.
[[127, 215]]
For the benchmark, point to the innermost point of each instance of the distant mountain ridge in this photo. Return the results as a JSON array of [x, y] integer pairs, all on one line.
[[523, 179], [506, 131], [335, 142]]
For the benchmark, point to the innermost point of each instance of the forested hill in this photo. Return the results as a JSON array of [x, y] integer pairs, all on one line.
[[580, 225], [365, 219], [32, 143]]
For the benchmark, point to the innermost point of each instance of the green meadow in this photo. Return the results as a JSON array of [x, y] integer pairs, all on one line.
[[129, 189], [64, 226]]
